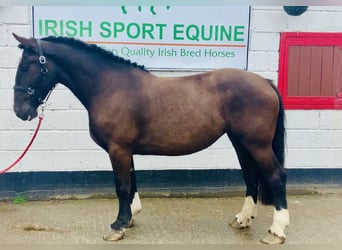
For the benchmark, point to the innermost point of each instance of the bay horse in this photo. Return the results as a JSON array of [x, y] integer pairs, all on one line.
[[132, 111]]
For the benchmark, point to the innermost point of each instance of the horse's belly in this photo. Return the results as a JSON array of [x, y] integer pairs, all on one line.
[[178, 144]]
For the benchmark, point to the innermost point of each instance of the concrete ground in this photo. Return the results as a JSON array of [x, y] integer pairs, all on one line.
[[315, 219]]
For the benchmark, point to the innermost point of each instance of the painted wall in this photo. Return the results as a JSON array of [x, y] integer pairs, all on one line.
[[64, 144]]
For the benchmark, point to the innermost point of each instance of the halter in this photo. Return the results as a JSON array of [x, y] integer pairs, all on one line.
[[44, 72]]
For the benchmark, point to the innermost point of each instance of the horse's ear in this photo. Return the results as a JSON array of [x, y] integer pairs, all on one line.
[[24, 42]]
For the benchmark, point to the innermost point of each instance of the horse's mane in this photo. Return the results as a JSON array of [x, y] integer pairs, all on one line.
[[87, 47]]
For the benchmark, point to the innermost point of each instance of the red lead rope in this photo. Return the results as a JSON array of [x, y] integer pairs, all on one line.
[[26, 149]]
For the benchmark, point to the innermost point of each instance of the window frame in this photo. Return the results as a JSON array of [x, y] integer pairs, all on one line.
[[288, 39]]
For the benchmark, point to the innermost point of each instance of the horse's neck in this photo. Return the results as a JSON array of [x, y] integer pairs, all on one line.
[[87, 77], [78, 72]]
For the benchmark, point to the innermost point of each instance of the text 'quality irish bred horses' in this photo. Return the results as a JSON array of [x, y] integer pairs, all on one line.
[[132, 111]]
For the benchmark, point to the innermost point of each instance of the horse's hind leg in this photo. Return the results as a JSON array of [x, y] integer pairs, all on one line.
[[244, 218], [273, 191]]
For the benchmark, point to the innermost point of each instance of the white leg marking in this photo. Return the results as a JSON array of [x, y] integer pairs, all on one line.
[[136, 204], [248, 212], [281, 220]]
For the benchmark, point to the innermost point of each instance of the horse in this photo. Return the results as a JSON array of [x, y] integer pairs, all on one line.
[[133, 111]]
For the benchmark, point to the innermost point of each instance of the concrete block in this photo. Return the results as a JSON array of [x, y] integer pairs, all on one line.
[[263, 61], [319, 139], [314, 158], [277, 21], [318, 21], [59, 160], [53, 120], [47, 140], [63, 99], [14, 140], [3, 35], [15, 14], [330, 119], [302, 119], [66, 120], [9, 57], [9, 121], [7, 78], [6, 97], [268, 8], [66, 140], [323, 9], [265, 41]]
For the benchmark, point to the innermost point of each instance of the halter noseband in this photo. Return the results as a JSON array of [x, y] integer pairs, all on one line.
[[43, 70]]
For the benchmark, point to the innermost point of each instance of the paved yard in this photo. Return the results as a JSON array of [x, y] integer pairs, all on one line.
[[315, 219]]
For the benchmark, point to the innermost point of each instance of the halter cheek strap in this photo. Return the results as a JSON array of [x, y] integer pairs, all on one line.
[[42, 59]]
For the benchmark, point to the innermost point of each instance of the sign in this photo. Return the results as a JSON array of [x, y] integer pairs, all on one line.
[[159, 37]]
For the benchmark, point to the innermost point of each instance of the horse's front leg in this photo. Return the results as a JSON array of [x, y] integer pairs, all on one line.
[[122, 164]]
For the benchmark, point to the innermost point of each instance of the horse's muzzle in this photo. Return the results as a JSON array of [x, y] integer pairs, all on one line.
[[27, 114]]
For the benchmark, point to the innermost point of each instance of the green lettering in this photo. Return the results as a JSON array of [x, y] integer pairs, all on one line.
[[61, 28], [86, 28], [178, 31], [40, 27], [50, 26], [105, 29], [239, 31], [71, 28], [118, 27], [224, 34], [147, 28], [216, 32], [192, 32], [161, 30], [209, 36], [131, 28]]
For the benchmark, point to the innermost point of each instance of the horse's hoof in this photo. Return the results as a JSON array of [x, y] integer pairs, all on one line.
[[271, 238], [115, 235], [235, 224]]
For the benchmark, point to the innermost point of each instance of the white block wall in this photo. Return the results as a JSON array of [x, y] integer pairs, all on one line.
[[64, 144]]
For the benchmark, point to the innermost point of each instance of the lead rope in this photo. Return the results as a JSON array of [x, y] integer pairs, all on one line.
[[44, 70], [40, 118]]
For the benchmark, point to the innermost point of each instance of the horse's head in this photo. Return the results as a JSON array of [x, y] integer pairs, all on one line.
[[34, 79]]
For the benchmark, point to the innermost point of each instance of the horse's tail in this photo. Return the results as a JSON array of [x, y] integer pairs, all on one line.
[[278, 145]]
